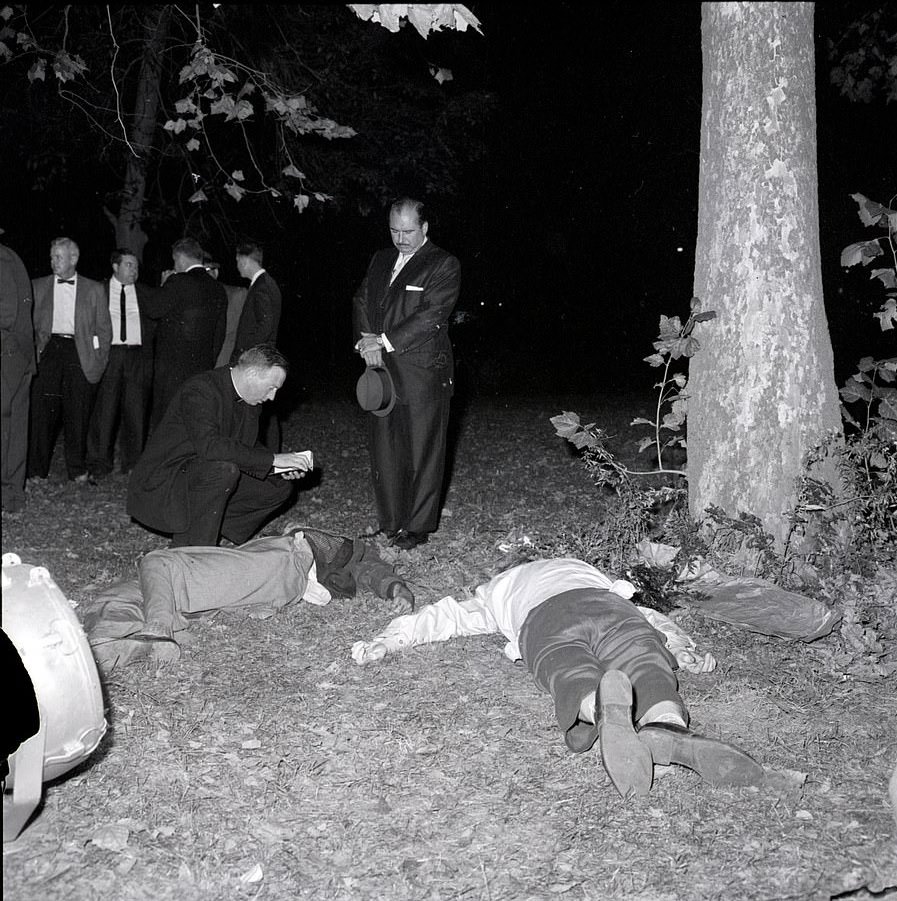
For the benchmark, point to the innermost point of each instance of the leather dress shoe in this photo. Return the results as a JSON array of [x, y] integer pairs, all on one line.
[[714, 761], [408, 540], [626, 759], [402, 598]]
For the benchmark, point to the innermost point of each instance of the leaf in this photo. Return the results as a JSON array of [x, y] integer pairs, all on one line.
[[293, 172], [235, 190], [704, 317], [886, 276], [441, 75], [887, 316], [176, 125], [38, 71], [566, 424], [237, 175], [640, 420], [860, 253], [111, 837], [655, 360], [645, 442], [870, 212], [855, 390], [193, 144], [197, 197], [301, 201]]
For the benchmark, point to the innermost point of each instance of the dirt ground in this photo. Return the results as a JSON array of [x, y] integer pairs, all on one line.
[[266, 764]]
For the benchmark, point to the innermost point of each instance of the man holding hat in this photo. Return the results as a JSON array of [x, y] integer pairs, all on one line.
[[400, 319]]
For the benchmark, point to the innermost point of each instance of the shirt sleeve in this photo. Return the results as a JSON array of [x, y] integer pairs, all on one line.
[[436, 622]]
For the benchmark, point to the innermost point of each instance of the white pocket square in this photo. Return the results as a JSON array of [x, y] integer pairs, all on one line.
[[413, 288]]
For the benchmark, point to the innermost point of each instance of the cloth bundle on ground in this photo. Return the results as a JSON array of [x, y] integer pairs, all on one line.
[[751, 603], [147, 617]]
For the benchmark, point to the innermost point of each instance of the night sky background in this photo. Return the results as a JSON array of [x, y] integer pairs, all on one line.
[[575, 232]]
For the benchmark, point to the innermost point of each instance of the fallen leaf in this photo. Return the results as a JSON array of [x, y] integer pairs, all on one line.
[[252, 875]]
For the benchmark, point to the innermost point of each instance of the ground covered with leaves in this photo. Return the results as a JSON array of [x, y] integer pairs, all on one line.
[[266, 764]]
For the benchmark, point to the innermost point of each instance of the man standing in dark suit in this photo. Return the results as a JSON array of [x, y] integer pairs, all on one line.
[[203, 474], [17, 349], [73, 333], [191, 314], [400, 314], [123, 396], [260, 316], [259, 321]]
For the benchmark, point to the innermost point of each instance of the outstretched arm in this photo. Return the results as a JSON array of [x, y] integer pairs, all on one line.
[[679, 643], [436, 622]]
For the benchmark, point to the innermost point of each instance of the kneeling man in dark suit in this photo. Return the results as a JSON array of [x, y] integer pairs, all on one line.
[[203, 473]]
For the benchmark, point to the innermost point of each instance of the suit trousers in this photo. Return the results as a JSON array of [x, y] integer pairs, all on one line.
[[407, 449], [221, 500], [571, 640], [60, 392], [120, 407], [16, 382]]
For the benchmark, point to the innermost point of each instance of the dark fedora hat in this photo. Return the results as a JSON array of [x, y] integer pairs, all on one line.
[[375, 391]]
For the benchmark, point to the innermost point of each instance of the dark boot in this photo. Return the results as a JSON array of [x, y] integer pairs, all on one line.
[[714, 761], [626, 759]]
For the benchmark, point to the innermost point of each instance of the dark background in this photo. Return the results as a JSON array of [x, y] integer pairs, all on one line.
[[575, 231]]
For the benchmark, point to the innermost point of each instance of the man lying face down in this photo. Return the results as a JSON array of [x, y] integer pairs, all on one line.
[[608, 664]]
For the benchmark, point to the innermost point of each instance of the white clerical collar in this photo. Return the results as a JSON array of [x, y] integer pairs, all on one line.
[[255, 277]]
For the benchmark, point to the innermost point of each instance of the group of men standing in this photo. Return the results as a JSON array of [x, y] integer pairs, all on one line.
[[113, 359], [100, 361]]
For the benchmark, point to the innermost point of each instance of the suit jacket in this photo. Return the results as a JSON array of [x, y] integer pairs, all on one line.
[[93, 327], [413, 312], [190, 310], [16, 324], [206, 420], [260, 317]]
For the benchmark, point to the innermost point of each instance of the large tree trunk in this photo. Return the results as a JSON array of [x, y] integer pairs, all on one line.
[[762, 385], [128, 223]]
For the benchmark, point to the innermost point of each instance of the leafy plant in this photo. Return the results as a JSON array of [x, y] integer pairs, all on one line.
[[674, 342], [636, 512], [873, 382]]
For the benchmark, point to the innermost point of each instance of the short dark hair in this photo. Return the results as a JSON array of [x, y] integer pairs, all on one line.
[[409, 203], [119, 252], [251, 249], [189, 247], [263, 356]]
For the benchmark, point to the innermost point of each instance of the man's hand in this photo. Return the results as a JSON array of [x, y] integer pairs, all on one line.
[[294, 465], [370, 346]]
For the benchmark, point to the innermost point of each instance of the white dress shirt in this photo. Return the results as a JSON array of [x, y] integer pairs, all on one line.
[[64, 307], [132, 313]]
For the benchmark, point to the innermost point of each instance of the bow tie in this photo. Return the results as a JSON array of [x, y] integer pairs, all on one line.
[[65, 281]]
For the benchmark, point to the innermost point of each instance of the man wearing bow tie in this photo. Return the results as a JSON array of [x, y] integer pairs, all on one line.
[[73, 332], [122, 401], [400, 316]]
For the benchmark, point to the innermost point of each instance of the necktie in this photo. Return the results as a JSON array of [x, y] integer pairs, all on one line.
[[65, 281], [124, 320]]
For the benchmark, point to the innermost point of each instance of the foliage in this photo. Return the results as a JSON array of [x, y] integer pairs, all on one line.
[[873, 383], [241, 89], [674, 342], [425, 17], [865, 57]]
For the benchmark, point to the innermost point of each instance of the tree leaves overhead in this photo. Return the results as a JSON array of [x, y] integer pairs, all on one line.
[[312, 103]]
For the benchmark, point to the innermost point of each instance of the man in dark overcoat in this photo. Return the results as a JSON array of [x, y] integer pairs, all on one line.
[[191, 314], [203, 473]]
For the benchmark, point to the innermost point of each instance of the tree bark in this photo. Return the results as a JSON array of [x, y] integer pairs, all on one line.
[[762, 387], [128, 223]]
